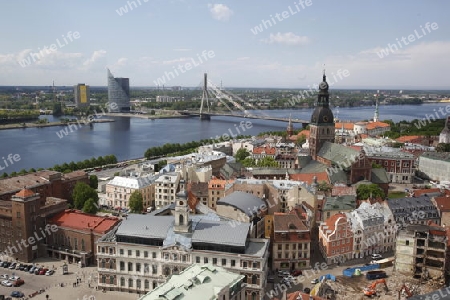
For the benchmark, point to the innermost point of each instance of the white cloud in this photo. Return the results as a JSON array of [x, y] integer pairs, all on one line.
[[287, 38], [220, 12], [177, 60], [96, 55]]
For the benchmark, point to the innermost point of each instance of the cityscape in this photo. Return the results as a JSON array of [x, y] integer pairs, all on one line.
[[146, 160]]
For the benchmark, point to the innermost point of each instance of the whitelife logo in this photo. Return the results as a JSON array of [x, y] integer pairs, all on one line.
[[35, 56]]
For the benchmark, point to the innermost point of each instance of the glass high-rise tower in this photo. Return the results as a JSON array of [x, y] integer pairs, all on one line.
[[118, 93]]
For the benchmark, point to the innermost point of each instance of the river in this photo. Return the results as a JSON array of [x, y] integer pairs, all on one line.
[[130, 137]]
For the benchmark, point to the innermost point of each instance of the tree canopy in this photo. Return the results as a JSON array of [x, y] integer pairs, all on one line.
[[93, 181], [136, 202], [81, 194], [364, 191], [241, 154]]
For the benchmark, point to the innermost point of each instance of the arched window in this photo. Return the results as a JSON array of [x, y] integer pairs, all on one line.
[[146, 284], [130, 283], [122, 281], [254, 279], [181, 219], [155, 284], [111, 279], [103, 263], [166, 271], [254, 296], [103, 278], [138, 283]]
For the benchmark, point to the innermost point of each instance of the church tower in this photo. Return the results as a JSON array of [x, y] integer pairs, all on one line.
[[376, 116], [322, 121], [290, 128], [182, 222]]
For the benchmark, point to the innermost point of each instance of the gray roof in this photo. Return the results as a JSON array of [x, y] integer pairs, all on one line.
[[338, 177], [313, 167], [379, 175], [245, 202], [444, 156], [346, 202], [338, 154], [403, 207], [205, 229]]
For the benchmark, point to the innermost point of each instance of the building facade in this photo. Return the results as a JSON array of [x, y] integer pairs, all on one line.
[[166, 188], [118, 93], [120, 189], [398, 165], [336, 239], [144, 250], [81, 94]]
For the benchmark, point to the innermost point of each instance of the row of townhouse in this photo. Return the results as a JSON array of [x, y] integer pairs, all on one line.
[[372, 228]]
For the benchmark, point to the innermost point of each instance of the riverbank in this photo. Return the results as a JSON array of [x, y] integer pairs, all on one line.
[[51, 124]]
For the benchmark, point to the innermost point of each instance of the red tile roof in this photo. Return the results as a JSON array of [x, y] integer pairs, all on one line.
[[347, 126], [343, 190], [24, 193], [308, 177], [75, 219], [422, 192], [443, 203], [267, 150], [373, 125], [408, 138], [331, 221]]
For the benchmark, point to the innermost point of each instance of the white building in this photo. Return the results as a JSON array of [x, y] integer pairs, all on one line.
[[166, 189], [201, 282], [373, 228], [119, 190], [144, 250], [435, 166]]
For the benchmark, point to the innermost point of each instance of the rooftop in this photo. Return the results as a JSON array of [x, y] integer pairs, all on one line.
[[346, 202], [196, 282], [287, 223], [245, 202], [443, 156], [75, 219], [133, 182]]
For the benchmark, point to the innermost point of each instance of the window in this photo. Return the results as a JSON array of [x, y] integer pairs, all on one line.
[[224, 262], [205, 260], [138, 253], [154, 255], [138, 283], [146, 284], [138, 267], [130, 282], [244, 264], [233, 263], [154, 269], [111, 279], [129, 252], [197, 259], [214, 261], [145, 253], [130, 266], [122, 281], [122, 266]]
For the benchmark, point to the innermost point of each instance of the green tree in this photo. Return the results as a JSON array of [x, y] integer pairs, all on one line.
[[376, 166], [324, 186], [301, 140], [90, 206], [93, 181], [81, 193], [241, 154], [5, 175], [267, 162], [136, 202], [249, 162], [152, 112], [364, 191]]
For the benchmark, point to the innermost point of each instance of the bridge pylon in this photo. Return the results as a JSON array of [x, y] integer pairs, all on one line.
[[204, 116]]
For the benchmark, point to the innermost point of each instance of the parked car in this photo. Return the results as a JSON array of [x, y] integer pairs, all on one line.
[[6, 264], [18, 282], [13, 278], [37, 271], [376, 256], [22, 267], [296, 273], [4, 276], [314, 281], [43, 271], [289, 278], [283, 273], [31, 271], [6, 283], [49, 272], [12, 266], [17, 294]]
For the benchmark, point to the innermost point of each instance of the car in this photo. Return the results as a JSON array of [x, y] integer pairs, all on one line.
[[13, 278], [18, 266], [43, 271], [18, 282], [314, 281], [12, 266], [289, 278], [22, 267], [49, 272], [6, 283], [31, 271], [4, 276], [37, 271], [6, 264], [283, 273], [376, 256], [296, 273], [17, 294]]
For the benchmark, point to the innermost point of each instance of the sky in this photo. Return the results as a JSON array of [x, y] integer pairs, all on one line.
[[251, 43]]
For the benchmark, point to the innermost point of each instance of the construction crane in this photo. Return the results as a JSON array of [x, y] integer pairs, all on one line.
[[406, 290], [371, 290]]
